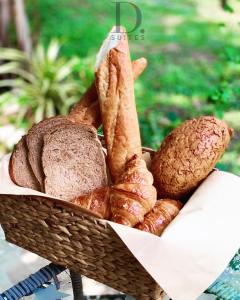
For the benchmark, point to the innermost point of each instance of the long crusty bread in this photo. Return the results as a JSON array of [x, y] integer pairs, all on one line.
[[87, 110], [34, 140], [19, 168], [115, 86], [73, 161]]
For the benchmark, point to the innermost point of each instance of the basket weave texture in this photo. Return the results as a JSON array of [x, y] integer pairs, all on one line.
[[66, 235]]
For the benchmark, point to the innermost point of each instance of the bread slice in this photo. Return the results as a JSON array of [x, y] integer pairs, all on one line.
[[34, 141], [19, 168], [73, 161]]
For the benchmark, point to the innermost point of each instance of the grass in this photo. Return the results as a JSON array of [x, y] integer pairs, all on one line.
[[192, 50]]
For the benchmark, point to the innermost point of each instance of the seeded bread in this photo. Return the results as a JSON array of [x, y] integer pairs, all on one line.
[[19, 168], [73, 161], [34, 140]]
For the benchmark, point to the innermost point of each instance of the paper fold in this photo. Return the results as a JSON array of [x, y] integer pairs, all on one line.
[[195, 248]]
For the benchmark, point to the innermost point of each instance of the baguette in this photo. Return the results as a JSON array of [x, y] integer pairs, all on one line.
[[115, 86], [87, 110]]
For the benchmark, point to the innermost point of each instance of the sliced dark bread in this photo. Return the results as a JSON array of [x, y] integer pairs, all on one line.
[[73, 161], [34, 141], [19, 168]]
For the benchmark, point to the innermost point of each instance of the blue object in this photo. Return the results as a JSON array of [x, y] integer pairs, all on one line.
[[227, 286], [33, 282], [49, 293]]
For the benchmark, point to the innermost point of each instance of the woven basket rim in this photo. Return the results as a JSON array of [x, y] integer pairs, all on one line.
[[68, 204]]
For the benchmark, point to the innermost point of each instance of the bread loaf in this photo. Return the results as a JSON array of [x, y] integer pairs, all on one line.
[[115, 86], [87, 110], [73, 161], [34, 140], [188, 155], [20, 170]]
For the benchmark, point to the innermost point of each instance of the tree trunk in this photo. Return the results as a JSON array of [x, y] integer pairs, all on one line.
[[4, 22], [223, 3], [21, 24]]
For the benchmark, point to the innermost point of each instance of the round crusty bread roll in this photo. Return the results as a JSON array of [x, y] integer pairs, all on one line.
[[188, 154]]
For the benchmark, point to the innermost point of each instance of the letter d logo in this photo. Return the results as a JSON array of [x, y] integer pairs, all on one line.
[[118, 15]]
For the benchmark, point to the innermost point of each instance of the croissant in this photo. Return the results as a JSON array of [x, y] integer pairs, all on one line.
[[97, 201], [161, 215], [133, 195], [128, 200]]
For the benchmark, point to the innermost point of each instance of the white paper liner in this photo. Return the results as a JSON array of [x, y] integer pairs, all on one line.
[[195, 248]]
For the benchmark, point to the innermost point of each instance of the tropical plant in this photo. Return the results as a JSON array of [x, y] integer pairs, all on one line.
[[42, 86]]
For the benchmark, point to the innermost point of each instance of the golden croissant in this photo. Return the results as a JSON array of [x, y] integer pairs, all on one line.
[[129, 200], [161, 215]]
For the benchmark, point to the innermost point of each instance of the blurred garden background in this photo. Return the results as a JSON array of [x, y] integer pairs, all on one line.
[[193, 53], [192, 47]]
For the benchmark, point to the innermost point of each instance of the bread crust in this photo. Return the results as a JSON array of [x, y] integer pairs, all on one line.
[[20, 170], [128, 200], [115, 86], [188, 154], [160, 217], [87, 110], [34, 140]]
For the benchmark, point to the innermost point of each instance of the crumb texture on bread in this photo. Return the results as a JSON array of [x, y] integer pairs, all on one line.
[[34, 141], [73, 161], [19, 168]]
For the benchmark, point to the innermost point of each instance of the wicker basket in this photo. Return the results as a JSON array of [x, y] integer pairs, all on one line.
[[69, 236]]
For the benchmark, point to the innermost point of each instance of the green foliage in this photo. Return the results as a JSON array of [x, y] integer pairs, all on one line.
[[193, 53], [42, 85], [84, 71], [228, 8]]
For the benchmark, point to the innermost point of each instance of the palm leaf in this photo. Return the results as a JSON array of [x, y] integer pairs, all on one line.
[[15, 83], [66, 69], [39, 113], [53, 51], [8, 67], [13, 55], [45, 80], [50, 109], [15, 68]]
